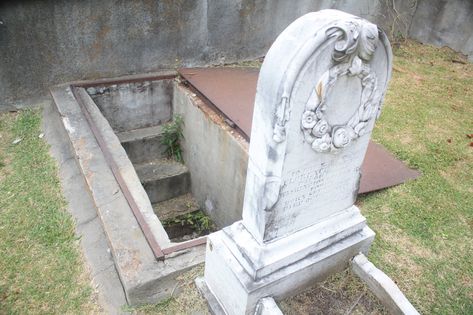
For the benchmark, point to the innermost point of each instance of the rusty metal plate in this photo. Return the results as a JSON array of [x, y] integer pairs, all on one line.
[[381, 169], [231, 91]]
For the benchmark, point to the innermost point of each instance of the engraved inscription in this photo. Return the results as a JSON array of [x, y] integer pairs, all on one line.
[[318, 186]]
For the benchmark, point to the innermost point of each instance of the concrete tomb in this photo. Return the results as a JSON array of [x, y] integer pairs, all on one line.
[[319, 93]]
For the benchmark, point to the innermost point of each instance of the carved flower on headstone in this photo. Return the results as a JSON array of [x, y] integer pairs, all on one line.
[[360, 127], [309, 119], [356, 66], [341, 138], [322, 144], [320, 128]]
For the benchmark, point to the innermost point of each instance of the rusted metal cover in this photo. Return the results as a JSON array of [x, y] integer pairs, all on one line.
[[381, 169], [231, 91]]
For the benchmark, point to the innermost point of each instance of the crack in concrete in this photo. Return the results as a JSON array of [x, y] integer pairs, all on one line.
[[87, 221]]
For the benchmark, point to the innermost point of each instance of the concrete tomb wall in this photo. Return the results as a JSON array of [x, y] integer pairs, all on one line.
[[444, 23], [127, 114], [135, 105], [216, 156], [144, 278]]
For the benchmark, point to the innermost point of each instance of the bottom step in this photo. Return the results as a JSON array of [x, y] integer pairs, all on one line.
[[182, 218], [176, 206]]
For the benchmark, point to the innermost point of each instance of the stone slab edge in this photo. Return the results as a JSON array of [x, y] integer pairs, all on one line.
[[125, 168], [382, 286], [266, 306], [93, 242], [141, 77], [144, 279], [214, 306]]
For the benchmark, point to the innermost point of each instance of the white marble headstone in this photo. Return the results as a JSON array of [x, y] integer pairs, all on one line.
[[319, 92]]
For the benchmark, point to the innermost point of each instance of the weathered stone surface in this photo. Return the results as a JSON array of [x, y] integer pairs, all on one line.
[[312, 121], [267, 306], [50, 42], [319, 93], [238, 292], [164, 179], [135, 105], [382, 286], [260, 260], [218, 169], [93, 241], [175, 207]]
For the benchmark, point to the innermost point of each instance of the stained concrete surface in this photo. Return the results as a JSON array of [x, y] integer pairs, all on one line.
[[88, 227], [53, 41], [130, 106], [43, 43], [218, 171], [444, 23]]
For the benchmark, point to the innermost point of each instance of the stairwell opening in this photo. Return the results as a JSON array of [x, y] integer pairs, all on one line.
[[138, 113], [154, 210]]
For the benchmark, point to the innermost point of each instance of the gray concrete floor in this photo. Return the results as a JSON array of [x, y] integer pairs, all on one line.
[[93, 241]]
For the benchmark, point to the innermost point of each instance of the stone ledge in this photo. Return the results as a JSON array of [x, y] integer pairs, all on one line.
[[382, 286]]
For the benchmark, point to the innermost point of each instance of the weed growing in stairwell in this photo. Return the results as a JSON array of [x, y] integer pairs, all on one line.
[[172, 136], [198, 220]]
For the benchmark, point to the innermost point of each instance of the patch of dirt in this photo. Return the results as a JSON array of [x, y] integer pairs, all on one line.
[[342, 293], [414, 76], [405, 243], [175, 206]]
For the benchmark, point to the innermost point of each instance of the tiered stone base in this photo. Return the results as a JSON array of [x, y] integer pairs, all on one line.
[[234, 282]]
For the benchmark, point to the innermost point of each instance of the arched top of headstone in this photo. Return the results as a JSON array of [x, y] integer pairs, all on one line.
[[319, 92]]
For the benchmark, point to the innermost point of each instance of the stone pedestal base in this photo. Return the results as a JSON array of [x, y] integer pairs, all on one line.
[[234, 290]]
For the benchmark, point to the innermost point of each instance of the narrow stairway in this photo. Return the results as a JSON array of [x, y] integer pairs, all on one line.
[[166, 181]]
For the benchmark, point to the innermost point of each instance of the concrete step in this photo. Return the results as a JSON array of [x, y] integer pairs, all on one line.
[[143, 145], [176, 206], [163, 179]]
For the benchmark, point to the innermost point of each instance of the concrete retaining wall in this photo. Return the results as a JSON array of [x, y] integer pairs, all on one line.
[[444, 23], [53, 41], [43, 43]]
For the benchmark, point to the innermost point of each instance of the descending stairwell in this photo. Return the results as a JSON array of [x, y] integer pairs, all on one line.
[[166, 181], [123, 208]]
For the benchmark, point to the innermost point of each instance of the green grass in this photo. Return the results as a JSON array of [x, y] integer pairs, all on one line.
[[424, 228], [41, 270]]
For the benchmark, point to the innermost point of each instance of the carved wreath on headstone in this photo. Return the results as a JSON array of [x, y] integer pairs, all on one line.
[[356, 43]]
